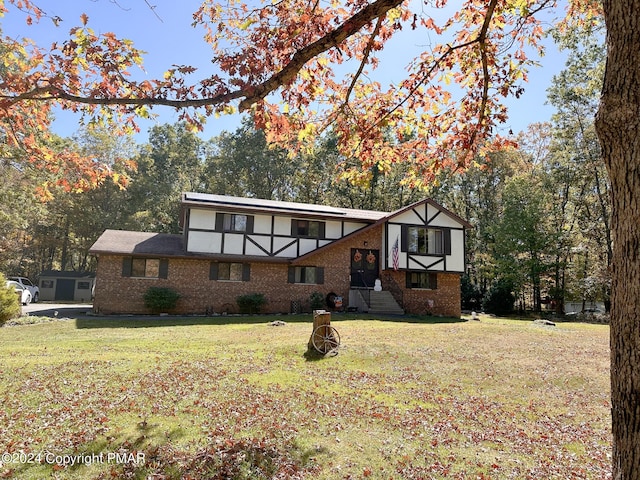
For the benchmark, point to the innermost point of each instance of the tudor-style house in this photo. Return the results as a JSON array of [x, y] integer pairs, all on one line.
[[407, 261]]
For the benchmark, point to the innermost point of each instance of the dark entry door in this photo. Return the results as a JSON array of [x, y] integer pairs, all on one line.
[[364, 267], [65, 289]]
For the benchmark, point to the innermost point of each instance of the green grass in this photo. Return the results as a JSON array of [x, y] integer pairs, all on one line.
[[232, 397]]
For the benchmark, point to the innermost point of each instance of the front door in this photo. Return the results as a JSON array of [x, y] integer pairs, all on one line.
[[364, 267]]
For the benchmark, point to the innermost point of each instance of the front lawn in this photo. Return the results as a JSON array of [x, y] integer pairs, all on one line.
[[237, 398]]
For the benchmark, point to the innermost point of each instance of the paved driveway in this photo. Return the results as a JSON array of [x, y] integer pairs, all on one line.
[[60, 310]]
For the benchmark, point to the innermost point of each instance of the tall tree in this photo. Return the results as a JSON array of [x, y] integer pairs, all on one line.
[[241, 163], [477, 195], [383, 186], [618, 128], [524, 238], [20, 213], [314, 179], [57, 235], [109, 204], [170, 164], [577, 160], [288, 47]]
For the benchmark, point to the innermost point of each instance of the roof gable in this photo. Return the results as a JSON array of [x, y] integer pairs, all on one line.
[[463, 224], [456, 218]]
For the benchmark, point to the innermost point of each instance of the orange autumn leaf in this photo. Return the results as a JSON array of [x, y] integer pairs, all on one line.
[[438, 116]]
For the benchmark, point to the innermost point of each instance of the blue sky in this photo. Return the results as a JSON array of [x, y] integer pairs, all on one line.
[[165, 33]]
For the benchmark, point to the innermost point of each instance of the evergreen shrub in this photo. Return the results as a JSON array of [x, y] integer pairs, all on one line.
[[9, 302], [316, 299], [161, 299], [251, 303], [500, 299]]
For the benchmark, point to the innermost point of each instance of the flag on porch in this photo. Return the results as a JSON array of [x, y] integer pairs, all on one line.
[[395, 255]]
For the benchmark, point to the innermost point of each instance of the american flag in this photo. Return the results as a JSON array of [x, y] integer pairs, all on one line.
[[394, 255]]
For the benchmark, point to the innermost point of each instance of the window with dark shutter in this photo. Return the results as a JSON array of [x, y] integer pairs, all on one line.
[[234, 272], [163, 271], [424, 280], [308, 229], [246, 272], [307, 275], [219, 221], [447, 241], [145, 267], [213, 271], [250, 222], [291, 275], [126, 266], [426, 241]]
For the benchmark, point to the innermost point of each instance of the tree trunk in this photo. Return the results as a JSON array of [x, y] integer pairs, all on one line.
[[64, 257], [618, 127]]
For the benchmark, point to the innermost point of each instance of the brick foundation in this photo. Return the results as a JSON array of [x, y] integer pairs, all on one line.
[[445, 300]]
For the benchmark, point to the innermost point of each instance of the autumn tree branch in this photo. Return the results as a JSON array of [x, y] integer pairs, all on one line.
[[365, 58], [334, 38], [482, 42], [480, 39], [250, 94]]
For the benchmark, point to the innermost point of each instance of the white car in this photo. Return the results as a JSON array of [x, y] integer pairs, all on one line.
[[23, 292], [26, 283]]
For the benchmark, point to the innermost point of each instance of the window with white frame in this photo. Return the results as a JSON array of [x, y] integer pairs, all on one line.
[[427, 241], [234, 222]]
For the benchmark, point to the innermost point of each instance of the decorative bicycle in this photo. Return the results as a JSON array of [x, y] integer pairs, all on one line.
[[325, 338]]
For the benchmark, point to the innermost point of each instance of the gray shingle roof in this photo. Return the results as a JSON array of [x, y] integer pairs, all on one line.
[[125, 242], [138, 243]]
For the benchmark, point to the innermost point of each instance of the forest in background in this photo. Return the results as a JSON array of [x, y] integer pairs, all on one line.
[[540, 211]]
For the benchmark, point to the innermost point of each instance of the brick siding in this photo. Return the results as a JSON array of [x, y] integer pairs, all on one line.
[[445, 300], [190, 277]]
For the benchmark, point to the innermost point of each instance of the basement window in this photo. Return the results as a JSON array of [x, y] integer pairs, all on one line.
[[426, 280]]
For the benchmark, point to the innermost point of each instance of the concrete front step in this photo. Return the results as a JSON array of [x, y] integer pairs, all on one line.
[[383, 303]]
